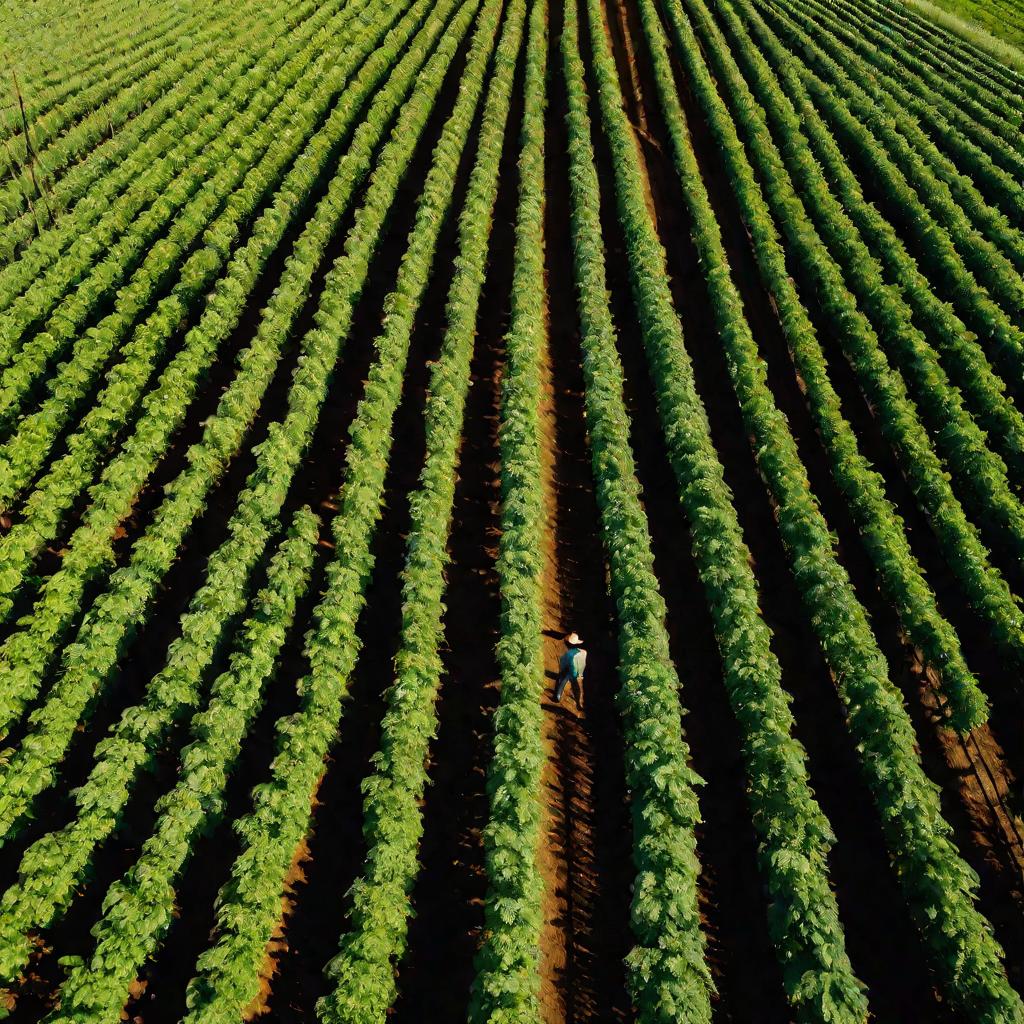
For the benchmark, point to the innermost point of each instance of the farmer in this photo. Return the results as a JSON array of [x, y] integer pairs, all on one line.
[[570, 669]]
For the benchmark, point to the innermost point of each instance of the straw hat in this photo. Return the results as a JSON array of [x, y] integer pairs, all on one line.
[[573, 639]]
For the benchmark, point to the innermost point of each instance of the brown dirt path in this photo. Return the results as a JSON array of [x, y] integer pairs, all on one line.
[[585, 853], [553, 951]]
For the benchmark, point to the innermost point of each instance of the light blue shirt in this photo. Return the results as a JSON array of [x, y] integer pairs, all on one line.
[[573, 662]]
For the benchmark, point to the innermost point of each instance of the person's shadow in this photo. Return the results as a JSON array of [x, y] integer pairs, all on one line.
[[549, 702]]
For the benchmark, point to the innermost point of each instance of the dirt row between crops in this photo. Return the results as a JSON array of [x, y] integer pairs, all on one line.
[[978, 775], [331, 855], [585, 855]]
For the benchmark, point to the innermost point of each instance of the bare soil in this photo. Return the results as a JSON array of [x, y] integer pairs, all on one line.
[[585, 855]]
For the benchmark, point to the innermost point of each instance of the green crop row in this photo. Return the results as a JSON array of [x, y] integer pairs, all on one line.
[[252, 166], [897, 414], [44, 42], [885, 84], [987, 114], [936, 248], [879, 522], [53, 869], [668, 977], [941, 121], [795, 837], [967, 360], [47, 124], [939, 886], [249, 904], [158, 159], [161, 238], [363, 971], [108, 169], [980, 470], [81, 63], [819, 980], [123, 51], [943, 50], [250, 526], [139, 909], [61, 254], [27, 653], [922, 202], [82, 37], [58, 144], [127, 600], [505, 990]]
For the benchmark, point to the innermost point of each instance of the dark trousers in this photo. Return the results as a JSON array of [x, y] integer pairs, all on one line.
[[577, 687]]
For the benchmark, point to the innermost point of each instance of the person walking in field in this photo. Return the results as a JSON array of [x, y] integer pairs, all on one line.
[[570, 669]]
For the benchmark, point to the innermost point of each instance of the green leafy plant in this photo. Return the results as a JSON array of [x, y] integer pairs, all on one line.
[[960, 350], [507, 980], [870, 67], [212, 98], [668, 977], [26, 654], [897, 413], [942, 49], [139, 908], [123, 61], [256, 512], [251, 167], [363, 971], [88, 188], [62, 136], [988, 112], [192, 188], [935, 400], [938, 884], [249, 904]]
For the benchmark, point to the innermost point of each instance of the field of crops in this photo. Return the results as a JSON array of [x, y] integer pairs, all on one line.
[[986, 22], [352, 352]]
